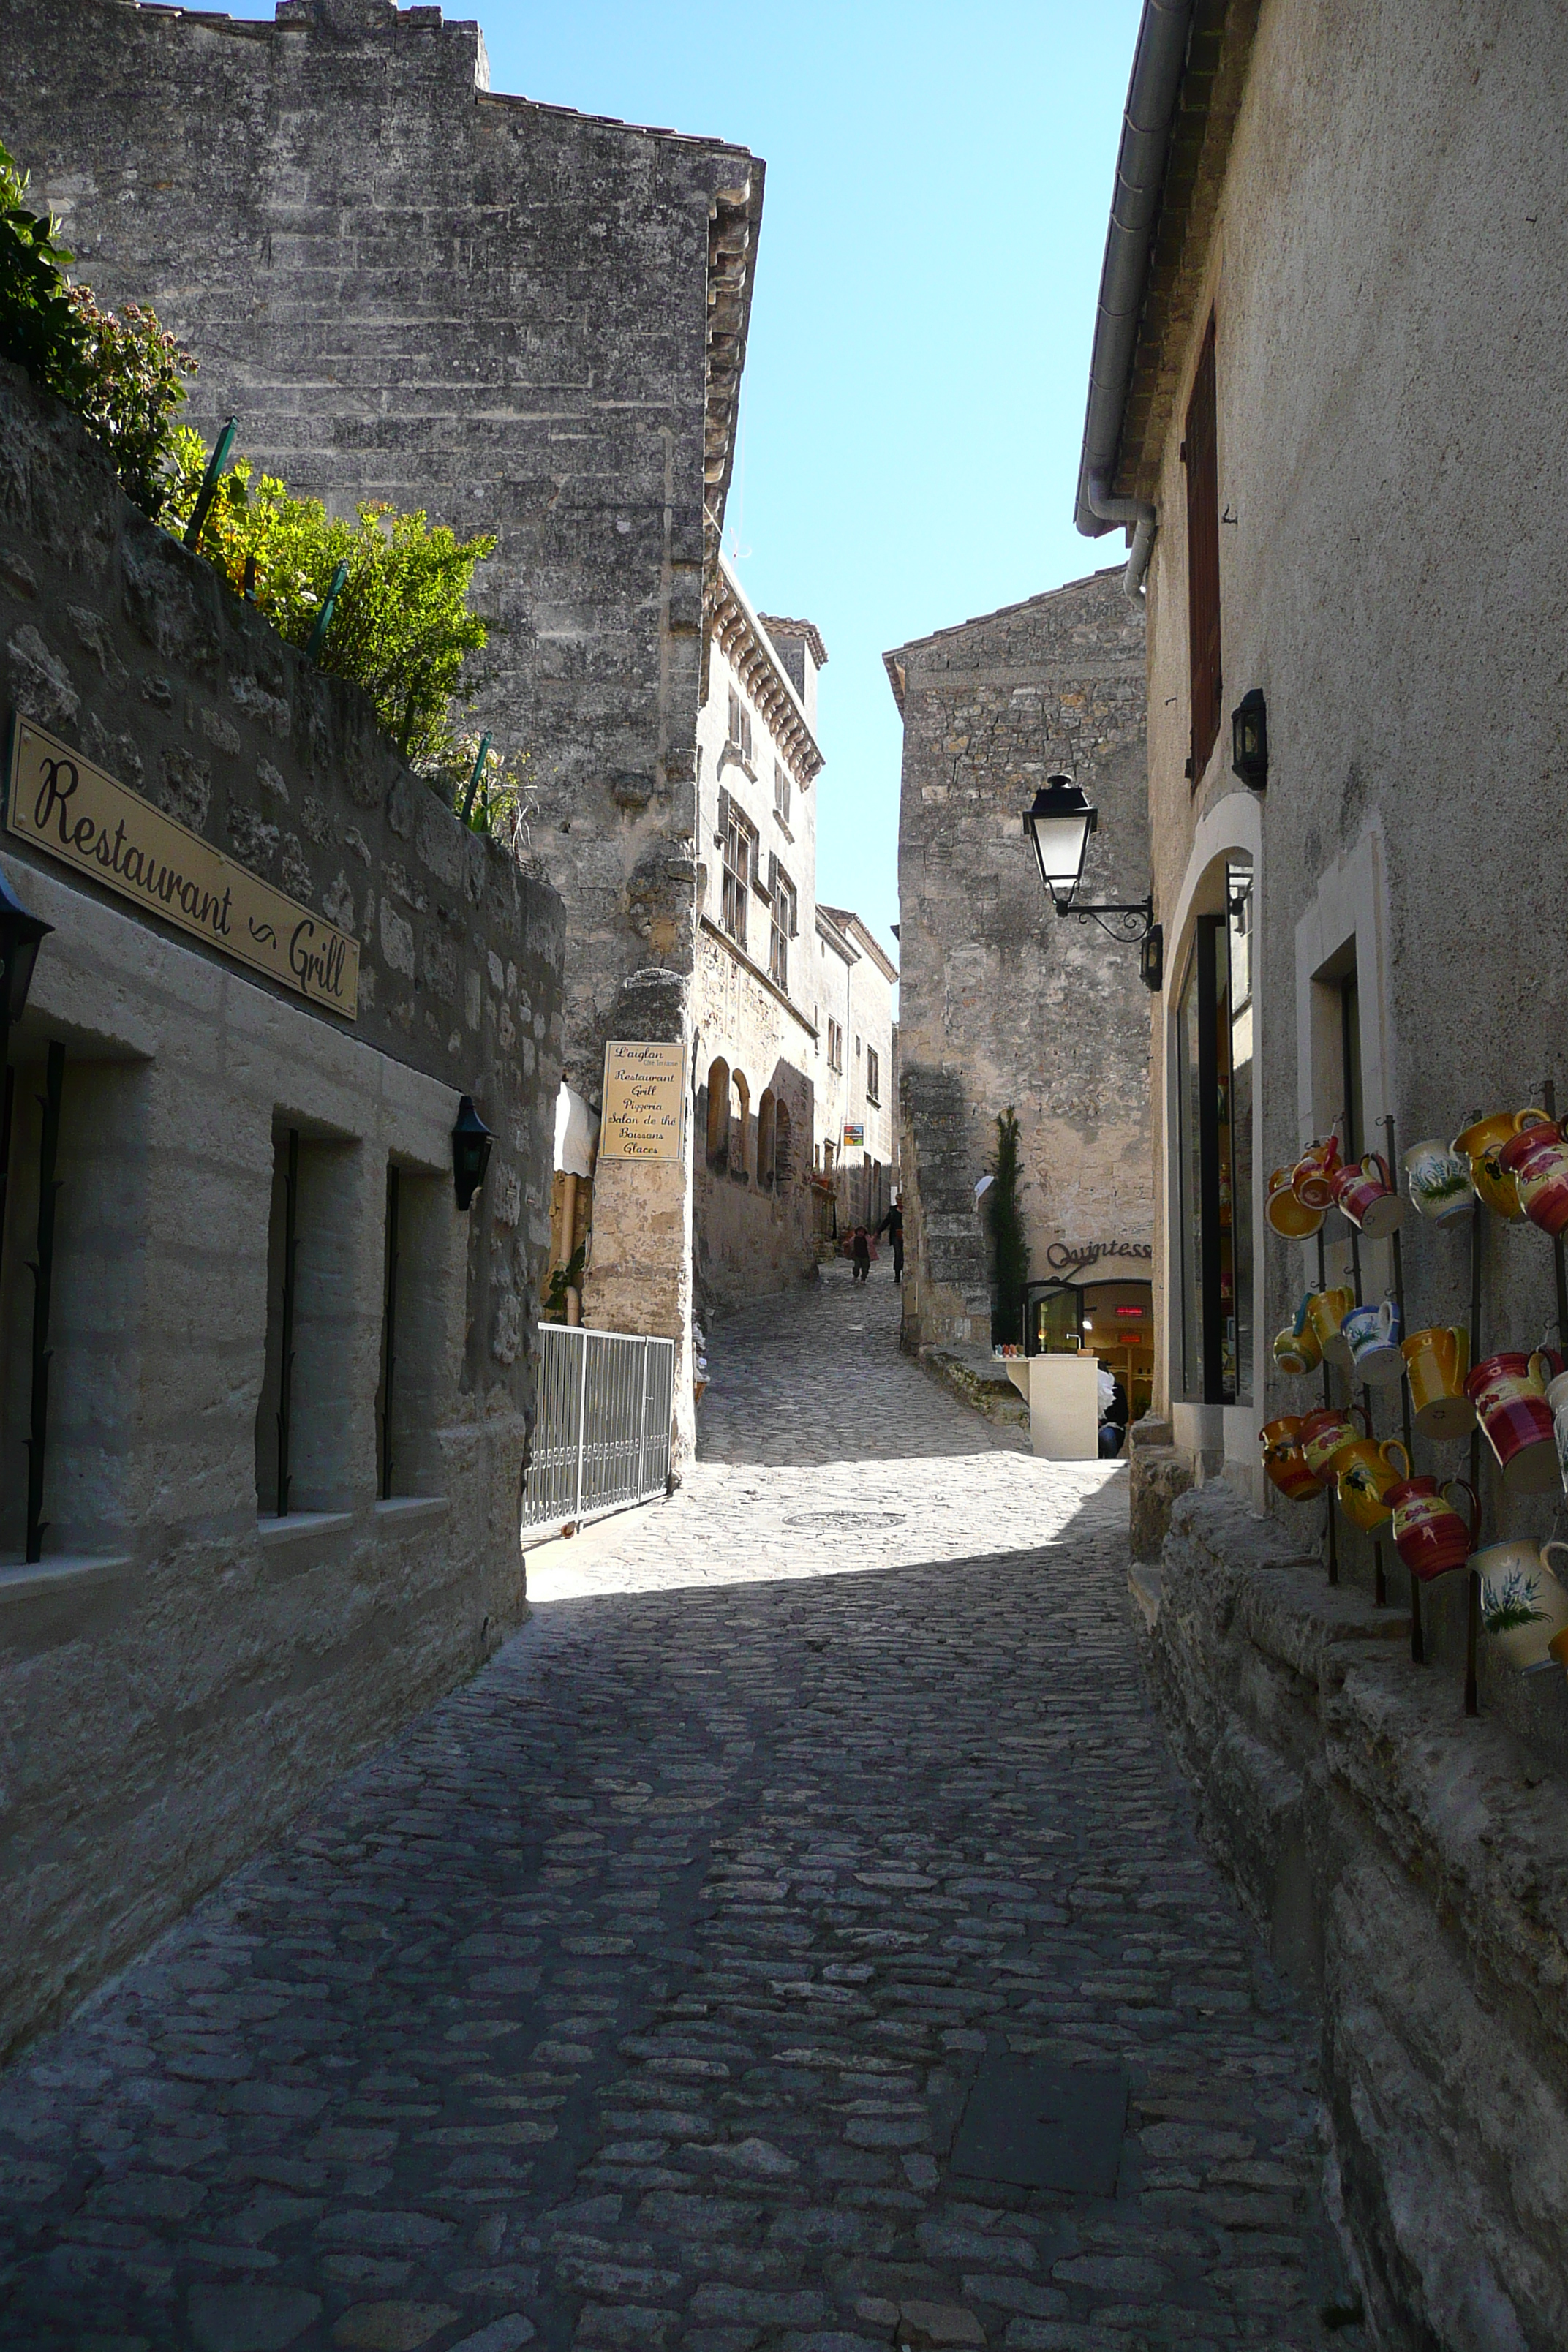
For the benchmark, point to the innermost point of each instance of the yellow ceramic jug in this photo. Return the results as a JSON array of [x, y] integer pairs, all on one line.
[[1325, 1312], [1366, 1474], [1480, 1144], [1436, 1363]]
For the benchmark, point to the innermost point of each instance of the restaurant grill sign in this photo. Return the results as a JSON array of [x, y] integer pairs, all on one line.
[[59, 802]]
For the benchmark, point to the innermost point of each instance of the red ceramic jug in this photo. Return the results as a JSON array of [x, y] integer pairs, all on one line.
[[1509, 1393], [1537, 1159], [1429, 1535]]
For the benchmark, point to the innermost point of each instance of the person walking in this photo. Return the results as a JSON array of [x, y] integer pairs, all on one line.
[[892, 1225], [861, 1250]]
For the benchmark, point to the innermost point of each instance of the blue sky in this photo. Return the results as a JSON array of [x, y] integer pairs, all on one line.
[[939, 182]]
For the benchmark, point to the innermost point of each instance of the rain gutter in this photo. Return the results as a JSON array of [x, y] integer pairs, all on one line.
[[1158, 63]]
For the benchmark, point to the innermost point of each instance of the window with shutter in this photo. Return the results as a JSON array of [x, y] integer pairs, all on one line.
[[1201, 452]]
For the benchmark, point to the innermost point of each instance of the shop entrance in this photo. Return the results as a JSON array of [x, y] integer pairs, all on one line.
[[1119, 1328]]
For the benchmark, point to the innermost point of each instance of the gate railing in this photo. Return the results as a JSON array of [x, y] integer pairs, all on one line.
[[601, 1431]]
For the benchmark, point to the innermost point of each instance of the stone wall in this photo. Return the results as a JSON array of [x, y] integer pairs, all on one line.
[[1001, 1001], [183, 1669], [524, 320], [1410, 1869]]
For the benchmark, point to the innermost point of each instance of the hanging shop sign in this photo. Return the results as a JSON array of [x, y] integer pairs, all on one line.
[[644, 1100], [1061, 1254], [59, 802], [854, 1136]]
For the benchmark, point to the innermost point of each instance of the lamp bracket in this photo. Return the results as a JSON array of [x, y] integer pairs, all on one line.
[[1130, 925]]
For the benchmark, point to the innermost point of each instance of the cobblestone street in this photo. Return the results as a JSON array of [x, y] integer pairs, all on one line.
[[632, 1998]]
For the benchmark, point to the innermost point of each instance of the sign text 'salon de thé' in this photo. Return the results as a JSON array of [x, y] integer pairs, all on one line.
[[62, 803]]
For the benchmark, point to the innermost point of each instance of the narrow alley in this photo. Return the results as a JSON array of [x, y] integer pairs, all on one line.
[[634, 1997]]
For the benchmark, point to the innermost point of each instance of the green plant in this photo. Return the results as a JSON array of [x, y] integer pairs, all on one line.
[[1009, 1245], [504, 803], [39, 327], [119, 371], [564, 1278], [1514, 1603], [400, 627]]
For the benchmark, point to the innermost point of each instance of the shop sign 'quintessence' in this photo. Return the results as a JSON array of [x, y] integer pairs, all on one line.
[[645, 1100], [61, 803]]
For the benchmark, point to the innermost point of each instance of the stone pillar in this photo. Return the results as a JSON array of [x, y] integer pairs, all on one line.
[[638, 1277]]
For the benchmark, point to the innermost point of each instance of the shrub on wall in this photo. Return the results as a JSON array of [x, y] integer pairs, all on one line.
[[1009, 1245]]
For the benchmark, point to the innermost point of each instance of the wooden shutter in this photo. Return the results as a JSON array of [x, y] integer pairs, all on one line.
[[773, 877], [722, 835], [1201, 452]]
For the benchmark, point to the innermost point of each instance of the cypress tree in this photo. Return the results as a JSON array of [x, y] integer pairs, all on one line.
[[1010, 1247]]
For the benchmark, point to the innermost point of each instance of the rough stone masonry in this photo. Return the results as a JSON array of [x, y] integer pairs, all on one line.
[[524, 320], [1003, 1002]]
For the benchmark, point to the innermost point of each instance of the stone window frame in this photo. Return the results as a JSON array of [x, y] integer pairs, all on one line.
[[739, 745], [782, 798], [835, 1044], [873, 1077], [784, 904], [739, 839]]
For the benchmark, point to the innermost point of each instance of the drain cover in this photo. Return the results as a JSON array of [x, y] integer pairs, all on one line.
[[1039, 2124], [848, 1518]]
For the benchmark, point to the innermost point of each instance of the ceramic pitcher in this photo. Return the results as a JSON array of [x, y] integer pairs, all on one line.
[[1436, 1362], [1537, 1159], [1366, 1474], [1296, 1348], [1480, 1145], [1557, 1405], [1313, 1175], [1324, 1434], [1285, 1212], [1282, 1459], [1429, 1535], [1522, 1604], [1363, 1192], [1371, 1335], [1439, 1181], [1509, 1393], [1326, 1311]]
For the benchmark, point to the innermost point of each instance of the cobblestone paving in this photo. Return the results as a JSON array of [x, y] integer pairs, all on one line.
[[630, 1999]]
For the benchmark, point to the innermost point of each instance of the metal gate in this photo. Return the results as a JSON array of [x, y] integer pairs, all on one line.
[[601, 1431]]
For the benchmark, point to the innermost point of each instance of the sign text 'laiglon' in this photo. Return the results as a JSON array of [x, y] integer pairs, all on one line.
[[62, 803]]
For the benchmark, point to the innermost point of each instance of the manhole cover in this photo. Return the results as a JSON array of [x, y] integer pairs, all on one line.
[[1037, 2124], [847, 1520]]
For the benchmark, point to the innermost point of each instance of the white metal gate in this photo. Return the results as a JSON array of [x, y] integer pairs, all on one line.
[[601, 1431]]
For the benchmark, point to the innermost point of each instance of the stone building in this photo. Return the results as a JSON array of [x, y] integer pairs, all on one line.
[[521, 319], [1332, 313], [754, 1022], [857, 1066], [264, 1407], [1004, 1003]]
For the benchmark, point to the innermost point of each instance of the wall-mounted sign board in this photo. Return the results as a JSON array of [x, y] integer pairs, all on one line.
[[644, 1101], [854, 1136], [59, 802]]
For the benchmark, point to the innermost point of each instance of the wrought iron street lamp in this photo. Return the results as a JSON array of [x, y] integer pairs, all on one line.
[[1058, 826], [471, 1141]]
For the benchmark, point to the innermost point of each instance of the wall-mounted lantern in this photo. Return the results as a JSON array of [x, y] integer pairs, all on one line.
[[1058, 826], [1250, 739], [471, 1141], [21, 934]]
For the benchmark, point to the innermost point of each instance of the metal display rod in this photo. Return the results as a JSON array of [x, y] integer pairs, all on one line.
[[1417, 1642], [1472, 1577]]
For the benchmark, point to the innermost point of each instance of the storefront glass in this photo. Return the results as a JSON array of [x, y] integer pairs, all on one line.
[[1215, 1080]]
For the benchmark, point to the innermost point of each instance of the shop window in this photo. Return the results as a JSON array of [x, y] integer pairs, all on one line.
[[416, 1284], [1053, 1318], [718, 1114], [1200, 452], [1214, 1081], [79, 1125], [302, 1418], [766, 1131]]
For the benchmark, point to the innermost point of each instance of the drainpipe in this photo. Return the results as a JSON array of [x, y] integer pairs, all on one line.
[[1153, 91], [1144, 520]]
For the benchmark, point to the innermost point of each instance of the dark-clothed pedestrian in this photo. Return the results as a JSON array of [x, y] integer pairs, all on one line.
[[892, 1225], [861, 1250]]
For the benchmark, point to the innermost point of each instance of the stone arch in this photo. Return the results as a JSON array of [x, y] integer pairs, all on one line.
[[718, 1112]]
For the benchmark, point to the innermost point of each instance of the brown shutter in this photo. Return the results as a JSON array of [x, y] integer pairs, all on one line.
[[1202, 454], [722, 835]]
